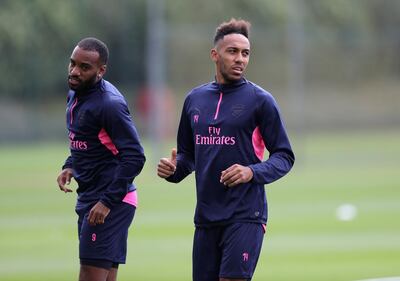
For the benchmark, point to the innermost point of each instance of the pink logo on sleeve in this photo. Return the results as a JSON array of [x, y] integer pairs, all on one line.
[[245, 256], [258, 143], [131, 198], [107, 142], [94, 237]]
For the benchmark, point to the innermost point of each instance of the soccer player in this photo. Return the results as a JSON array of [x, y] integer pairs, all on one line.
[[106, 155], [224, 127]]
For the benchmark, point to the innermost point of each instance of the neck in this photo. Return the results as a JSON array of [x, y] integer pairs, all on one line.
[[219, 79], [88, 89], [222, 81]]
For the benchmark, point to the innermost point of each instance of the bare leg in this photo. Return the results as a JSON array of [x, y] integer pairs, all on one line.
[[112, 275], [93, 273]]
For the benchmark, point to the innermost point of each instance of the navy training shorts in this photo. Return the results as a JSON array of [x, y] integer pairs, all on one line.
[[228, 251], [105, 242]]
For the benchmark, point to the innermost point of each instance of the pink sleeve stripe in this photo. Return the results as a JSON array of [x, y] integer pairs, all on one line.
[[258, 144], [131, 198], [107, 142]]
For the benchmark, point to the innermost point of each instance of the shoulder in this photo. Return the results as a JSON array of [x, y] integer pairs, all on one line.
[[201, 89], [264, 100], [110, 95], [262, 96], [259, 91], [110, 102]]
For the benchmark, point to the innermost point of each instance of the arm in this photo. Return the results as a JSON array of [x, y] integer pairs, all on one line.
[[67, 163], [281, 156], [235, 175], [167, 167], [65, 176], [119, 126], [182, 164]]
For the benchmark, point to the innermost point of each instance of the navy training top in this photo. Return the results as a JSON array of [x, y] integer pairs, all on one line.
[[106, 154], [222, 125]]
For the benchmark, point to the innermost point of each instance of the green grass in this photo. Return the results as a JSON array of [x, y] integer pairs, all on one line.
[[304, 240]]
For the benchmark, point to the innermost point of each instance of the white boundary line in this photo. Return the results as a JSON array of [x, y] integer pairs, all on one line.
[[383, 279]]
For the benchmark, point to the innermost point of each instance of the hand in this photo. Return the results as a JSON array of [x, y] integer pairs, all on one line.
[[235, 175], [98, 214], [64, 178], [167, 166]]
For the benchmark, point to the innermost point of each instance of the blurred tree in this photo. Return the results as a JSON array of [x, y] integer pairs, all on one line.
[[36, 38], [122, 25], [385, 18]]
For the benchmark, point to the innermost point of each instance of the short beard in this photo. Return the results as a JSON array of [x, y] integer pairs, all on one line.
[[84, 86], [229, 80]]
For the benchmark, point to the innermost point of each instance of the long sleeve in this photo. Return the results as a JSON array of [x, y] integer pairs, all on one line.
[[281, 157], [118, 125], [67, 163], [185, 153]]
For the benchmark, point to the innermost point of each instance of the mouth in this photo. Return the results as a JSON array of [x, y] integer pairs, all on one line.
[[73, 81], [237, 70]]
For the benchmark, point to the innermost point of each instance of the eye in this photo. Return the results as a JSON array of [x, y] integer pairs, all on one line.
[[85, 67]]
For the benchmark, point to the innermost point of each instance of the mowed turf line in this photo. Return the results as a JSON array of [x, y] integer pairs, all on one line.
[[304, 240]]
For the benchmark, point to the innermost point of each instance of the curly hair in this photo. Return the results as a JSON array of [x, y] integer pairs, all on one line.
[[233, 26]]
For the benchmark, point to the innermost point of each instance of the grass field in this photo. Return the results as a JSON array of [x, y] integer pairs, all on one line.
[[304, 241]]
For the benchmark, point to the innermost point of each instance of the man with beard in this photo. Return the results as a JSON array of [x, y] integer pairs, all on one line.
[[106, 156], [224, 127]]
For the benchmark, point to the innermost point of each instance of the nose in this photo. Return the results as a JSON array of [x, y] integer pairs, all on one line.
[[74, 70], [239, 58]]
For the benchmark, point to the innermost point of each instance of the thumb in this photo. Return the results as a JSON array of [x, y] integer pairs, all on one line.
[[173, 155]]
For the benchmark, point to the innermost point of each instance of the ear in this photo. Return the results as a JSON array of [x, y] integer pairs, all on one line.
[[102, 71], [214, 55]]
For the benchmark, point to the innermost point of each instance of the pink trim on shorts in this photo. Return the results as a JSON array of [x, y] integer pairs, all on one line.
[[131, 198]]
